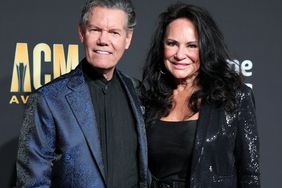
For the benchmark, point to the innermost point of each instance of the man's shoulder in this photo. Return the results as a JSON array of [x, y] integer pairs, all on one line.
[[136, 83], [129, 80], [60, 85]]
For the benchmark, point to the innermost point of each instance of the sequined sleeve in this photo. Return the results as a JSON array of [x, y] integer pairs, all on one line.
[[36, 145], [247, 142]]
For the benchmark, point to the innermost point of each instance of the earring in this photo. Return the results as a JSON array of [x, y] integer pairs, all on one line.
[[162, 72]]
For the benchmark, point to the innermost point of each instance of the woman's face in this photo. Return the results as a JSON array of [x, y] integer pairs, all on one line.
[[181, 51]]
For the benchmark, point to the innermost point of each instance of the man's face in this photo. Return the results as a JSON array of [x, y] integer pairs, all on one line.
[[105, 39]]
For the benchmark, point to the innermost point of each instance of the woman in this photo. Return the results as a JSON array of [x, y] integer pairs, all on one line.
[[200, 117]]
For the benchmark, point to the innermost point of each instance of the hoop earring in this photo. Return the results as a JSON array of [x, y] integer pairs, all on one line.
[[162, 72]]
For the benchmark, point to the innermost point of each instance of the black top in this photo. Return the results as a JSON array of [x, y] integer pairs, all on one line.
[[116, 126], [170, 146]]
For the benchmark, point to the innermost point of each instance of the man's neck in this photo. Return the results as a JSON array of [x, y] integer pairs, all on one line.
[[96, 72]]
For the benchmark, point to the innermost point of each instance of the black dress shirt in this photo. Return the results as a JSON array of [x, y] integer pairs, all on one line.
[[116, 126]]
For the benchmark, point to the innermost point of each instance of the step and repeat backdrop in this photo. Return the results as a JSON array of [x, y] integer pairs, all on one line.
[[39, 42]]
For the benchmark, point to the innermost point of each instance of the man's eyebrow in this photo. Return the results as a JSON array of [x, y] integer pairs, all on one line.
[[110, 29], [90, 25]]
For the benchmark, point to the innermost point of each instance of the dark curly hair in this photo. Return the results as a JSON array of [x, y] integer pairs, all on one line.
[[217, 81]]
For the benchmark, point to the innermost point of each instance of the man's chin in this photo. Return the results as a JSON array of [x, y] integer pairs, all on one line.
[[103, 70]]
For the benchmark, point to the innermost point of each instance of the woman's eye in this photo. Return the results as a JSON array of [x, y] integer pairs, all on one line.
[[192, 46], [170, 43]]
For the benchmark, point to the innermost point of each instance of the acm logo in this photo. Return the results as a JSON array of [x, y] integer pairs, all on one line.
[[245, 68], [23, 82]]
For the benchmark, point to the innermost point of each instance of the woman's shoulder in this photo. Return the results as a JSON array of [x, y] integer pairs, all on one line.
[[244, 91], [245, 96]]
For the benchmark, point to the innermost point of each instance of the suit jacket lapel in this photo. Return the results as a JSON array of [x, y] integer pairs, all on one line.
[[140, 126], [210, 119], [201, 132], [80, 102]]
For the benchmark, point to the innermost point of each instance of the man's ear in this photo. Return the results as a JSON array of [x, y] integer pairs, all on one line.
[[129, 35], [81, 32]]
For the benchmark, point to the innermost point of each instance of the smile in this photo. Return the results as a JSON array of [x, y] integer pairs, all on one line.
[[180, 65], [102, 52]]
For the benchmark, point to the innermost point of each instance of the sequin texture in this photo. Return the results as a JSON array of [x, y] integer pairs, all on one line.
[[226, 150]]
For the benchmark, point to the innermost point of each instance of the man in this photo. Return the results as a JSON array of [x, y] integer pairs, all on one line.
[[85, 129]]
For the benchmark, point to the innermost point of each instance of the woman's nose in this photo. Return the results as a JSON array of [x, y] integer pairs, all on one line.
[[180, 53]]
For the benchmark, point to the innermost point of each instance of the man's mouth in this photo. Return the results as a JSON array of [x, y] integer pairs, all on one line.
[[102, 52]]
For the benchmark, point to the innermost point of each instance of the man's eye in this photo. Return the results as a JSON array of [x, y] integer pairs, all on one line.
[[94, 30], [115, 33]]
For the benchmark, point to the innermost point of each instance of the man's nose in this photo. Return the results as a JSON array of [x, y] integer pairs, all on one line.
[[103, 39]]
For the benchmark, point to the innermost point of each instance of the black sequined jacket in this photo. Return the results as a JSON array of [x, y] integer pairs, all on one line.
[[226, 150]]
